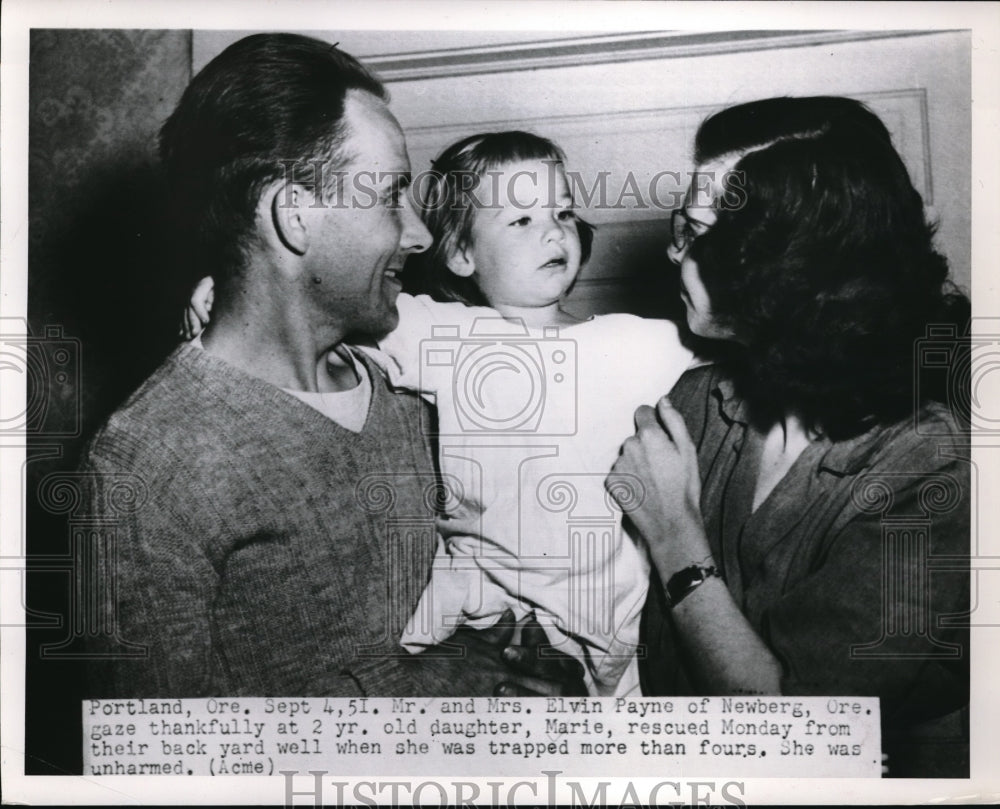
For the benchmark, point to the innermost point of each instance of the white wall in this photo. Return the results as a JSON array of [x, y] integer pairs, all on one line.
[[629, 104]]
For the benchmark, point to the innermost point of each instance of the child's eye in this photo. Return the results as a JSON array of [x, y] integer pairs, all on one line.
[[524, 221], [567, 215]]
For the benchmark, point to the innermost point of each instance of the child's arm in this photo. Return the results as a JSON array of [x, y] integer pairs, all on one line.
[[199, 309], [421, 319], [666, 358]]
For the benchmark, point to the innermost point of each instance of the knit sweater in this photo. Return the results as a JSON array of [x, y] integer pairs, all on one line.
[[262, 548]]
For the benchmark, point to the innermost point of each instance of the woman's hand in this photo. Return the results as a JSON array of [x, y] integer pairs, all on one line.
[[724, 655], [199, 309], [667, 512]]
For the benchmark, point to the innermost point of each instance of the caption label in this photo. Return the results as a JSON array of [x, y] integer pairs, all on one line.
[[758, 736]]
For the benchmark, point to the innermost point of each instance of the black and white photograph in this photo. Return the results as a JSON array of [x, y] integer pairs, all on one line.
[[489, 403]]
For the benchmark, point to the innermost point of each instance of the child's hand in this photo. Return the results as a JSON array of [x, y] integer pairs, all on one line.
[[198, 311], [541, 670]]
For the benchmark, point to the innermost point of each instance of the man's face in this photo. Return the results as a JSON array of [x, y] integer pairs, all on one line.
[[368, 228]]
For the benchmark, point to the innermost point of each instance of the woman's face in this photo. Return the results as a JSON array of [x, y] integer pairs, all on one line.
[[699, 214]]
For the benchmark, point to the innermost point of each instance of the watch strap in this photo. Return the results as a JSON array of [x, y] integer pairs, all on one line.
[[685, 581]]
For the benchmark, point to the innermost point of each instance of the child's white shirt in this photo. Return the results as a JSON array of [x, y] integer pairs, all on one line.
[[530, 422]]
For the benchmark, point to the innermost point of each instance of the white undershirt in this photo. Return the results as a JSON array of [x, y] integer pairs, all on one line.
[[347, 408]]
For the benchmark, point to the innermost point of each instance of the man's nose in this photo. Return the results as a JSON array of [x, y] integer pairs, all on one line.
[[415, 238]]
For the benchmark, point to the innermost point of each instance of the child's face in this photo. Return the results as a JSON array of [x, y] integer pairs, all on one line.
[[525, 248]]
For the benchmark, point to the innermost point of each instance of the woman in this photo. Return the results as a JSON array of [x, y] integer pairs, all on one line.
[[777, 478]]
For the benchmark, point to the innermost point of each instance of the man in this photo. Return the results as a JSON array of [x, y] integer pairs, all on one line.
[[286, 532]]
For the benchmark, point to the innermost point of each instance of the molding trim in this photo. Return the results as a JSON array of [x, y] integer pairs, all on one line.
[[603, 49], [904, 110]]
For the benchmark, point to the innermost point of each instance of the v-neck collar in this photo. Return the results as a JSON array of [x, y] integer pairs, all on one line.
[[233, 385]]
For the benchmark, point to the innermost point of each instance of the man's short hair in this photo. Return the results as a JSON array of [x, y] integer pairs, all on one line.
[[267, 105]]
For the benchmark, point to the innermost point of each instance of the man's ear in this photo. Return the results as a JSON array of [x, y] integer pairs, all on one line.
[[461, 262], [289, 209]]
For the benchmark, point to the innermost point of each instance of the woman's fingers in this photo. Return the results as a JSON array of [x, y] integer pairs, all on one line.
[[651, 433], [671, 419], [676, 427], [664, 419], [643, 413]]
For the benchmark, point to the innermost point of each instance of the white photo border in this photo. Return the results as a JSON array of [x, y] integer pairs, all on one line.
[[19, 16]]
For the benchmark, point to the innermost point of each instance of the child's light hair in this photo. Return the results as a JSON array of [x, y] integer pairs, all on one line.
[[448, 201]]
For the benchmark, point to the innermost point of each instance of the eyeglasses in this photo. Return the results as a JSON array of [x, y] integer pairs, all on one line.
[[684, 230]]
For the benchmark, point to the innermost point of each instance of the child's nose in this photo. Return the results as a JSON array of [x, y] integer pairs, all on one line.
[[554, 229]]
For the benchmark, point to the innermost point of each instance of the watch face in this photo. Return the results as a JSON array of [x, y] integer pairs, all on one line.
[[686, 580]]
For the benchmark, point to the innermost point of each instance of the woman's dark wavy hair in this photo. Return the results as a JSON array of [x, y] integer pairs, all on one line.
[[268, 104], [824, 268], [448, 202]]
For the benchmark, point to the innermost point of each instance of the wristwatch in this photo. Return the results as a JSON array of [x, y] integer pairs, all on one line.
[[683, 582]]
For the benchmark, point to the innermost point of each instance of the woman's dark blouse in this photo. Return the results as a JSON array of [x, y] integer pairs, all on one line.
[[854, 570]]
